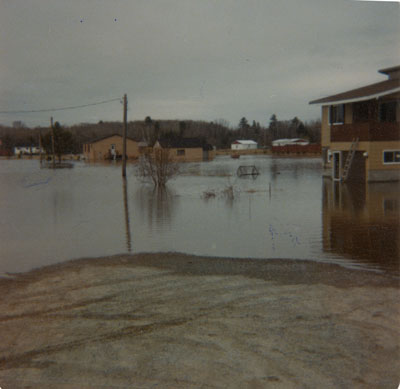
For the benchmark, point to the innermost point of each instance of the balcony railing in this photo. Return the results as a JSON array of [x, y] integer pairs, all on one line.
[[367, 132]]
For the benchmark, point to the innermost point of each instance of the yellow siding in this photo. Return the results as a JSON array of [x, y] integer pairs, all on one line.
[[325, 127], [345, 146], [348, 113], [374, 161], [190, 155], [375, 155], [100, 150]]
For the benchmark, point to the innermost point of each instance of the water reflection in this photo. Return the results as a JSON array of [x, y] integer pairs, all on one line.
[[126, 212], [274, 169], [362, 222], [56, 216], [156, 205]]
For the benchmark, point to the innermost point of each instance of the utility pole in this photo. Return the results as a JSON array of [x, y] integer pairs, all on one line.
[[127, 226], [124, 130], [53, 149], [40, 147]]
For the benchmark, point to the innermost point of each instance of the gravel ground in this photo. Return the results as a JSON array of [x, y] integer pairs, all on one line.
[[170, 320]]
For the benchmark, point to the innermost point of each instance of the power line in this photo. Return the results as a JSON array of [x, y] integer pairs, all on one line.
[[63, 108]]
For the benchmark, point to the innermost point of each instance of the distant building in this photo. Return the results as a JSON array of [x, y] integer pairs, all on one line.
[[294, 146], [187, 149], [110, 147], [244, 145], [26, 150], [291, 141], [360, 133]]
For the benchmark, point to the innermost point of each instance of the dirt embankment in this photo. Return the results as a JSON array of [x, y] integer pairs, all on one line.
[[177, 321]]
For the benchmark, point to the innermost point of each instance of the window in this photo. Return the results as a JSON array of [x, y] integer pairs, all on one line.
[[336, 114], [387, 111], [180, 152], [391, 156], [360, 112], [390, 205]]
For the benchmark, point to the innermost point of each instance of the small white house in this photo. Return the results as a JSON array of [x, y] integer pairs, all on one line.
[[290, 142], [244, 145], [26, 150]]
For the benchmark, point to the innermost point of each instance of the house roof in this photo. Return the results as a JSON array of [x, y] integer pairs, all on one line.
[[245, 142], [360, 94], [389, 70], [109, 136], [291, 140], [184, 143], [367, 92]]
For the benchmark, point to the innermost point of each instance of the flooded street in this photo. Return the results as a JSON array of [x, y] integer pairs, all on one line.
[[287, 211]]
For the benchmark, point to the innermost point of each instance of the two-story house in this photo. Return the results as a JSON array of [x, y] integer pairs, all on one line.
[[360, 134]]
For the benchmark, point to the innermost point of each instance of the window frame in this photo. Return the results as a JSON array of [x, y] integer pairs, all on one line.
[[394, 159], [180, 152], [334, 114]]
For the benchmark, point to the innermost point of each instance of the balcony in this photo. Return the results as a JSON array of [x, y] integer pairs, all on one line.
[[371, 131]]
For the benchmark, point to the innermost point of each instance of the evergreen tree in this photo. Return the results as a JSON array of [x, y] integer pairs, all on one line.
[[63, 141], [243, 124], [273, 126]]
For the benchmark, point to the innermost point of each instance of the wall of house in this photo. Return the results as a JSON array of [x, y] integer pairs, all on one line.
[[344, 148], [239, 146], [190, 155], [377, 170], [375, 155], [100, 150], [348, 113], [209, 155], [325, 127]]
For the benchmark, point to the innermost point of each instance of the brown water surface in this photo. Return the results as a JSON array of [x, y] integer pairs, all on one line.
[[288, 211]]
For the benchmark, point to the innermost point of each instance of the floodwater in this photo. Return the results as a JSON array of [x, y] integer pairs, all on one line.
[[287, 211]]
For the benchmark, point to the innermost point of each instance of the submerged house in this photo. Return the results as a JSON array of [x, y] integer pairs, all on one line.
[[110, 147], [187, 149], [360, 132]]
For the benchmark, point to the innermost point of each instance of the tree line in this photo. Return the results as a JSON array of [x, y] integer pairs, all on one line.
[[218, 133]]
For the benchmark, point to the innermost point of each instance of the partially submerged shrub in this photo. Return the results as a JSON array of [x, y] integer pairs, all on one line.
[[157, 167]]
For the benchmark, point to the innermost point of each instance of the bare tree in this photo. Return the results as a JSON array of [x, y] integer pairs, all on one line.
[[157, 167]]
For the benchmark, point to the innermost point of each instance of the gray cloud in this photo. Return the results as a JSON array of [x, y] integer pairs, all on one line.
[[188, 58]]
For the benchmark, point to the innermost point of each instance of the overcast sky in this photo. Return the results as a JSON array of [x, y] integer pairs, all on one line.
[[189, 59]]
